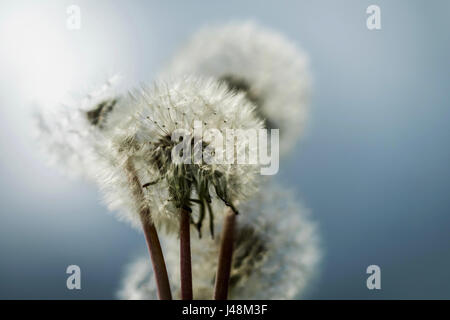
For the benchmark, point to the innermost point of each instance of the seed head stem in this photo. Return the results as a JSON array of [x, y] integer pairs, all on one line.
[[157, 258], [151, 236], [225, 257], [185, 255]]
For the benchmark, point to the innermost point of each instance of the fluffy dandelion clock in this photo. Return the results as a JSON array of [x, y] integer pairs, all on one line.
[[267, 67], [71, 134], [276, 254], [194, 114]]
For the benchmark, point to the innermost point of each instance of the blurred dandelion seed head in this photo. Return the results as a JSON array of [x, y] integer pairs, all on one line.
[[268, 68], [69, 135]]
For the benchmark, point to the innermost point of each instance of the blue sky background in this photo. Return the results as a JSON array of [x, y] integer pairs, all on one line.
[[373, 167]]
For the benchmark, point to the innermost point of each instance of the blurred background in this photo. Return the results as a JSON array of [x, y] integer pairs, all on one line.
[[373, 166]]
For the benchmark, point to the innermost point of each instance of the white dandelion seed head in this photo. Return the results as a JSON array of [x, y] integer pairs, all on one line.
[[268, 67], [143, 136], [70, 134], [276, 254]]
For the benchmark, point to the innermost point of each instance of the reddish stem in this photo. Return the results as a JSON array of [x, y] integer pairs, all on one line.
[[225, 257], [185, 255], [151, 236], [157, 257]]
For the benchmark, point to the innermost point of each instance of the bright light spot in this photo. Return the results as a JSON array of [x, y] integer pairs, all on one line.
[[37, 54]]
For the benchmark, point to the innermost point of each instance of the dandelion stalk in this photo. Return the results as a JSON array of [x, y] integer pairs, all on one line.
[[185, 255], [225, 257], [151, 236], [157, 258]]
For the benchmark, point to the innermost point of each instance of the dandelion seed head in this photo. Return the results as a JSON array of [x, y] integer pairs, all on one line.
[[268, 68], [142, 135], [70, 135]]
